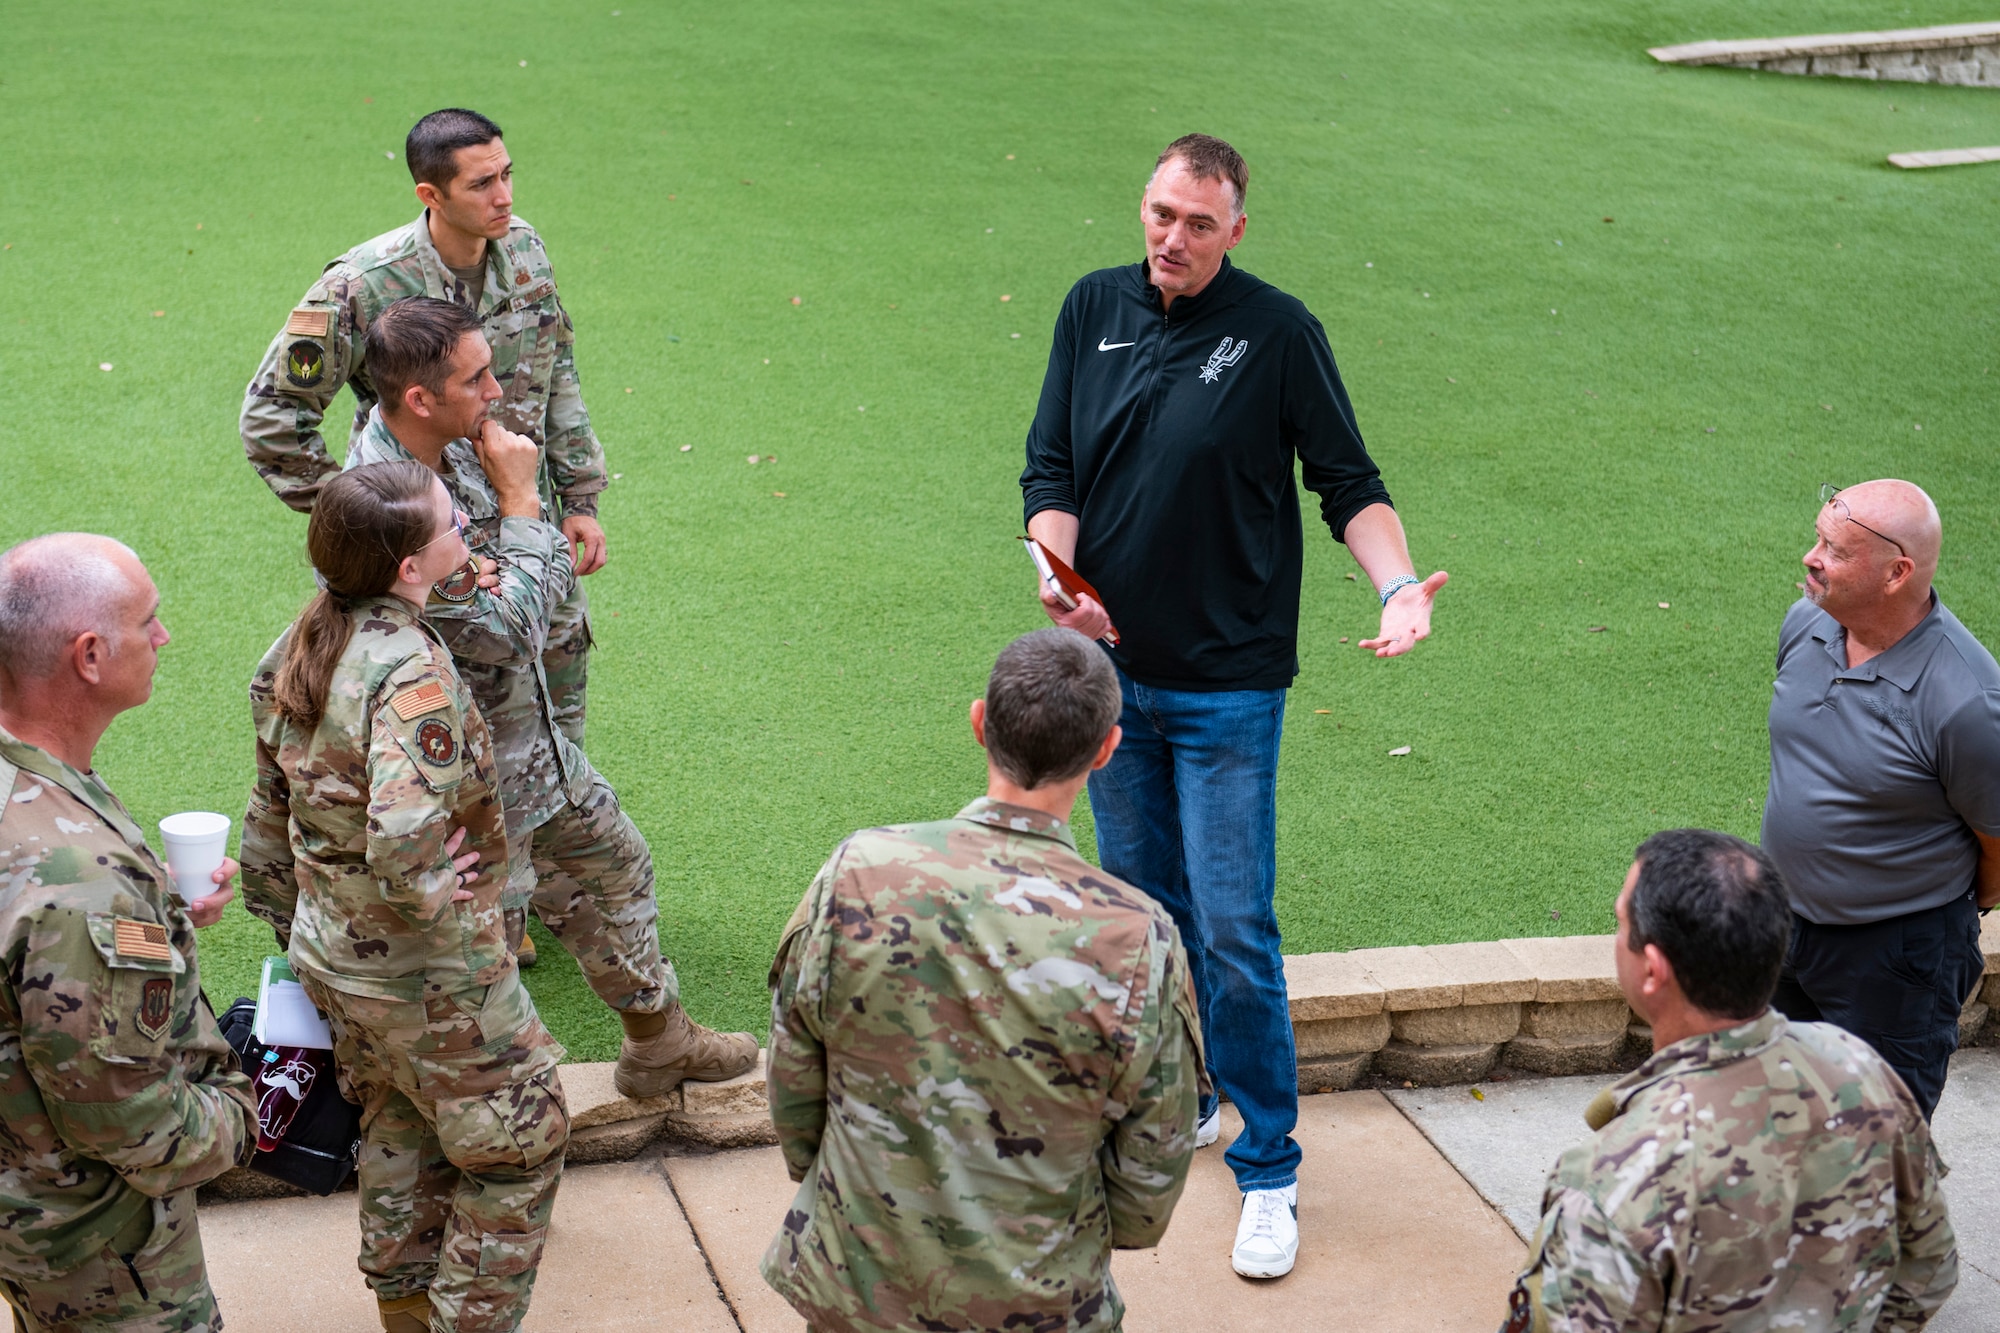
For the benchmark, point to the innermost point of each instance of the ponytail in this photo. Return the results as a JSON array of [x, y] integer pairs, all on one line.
[[319, 641]]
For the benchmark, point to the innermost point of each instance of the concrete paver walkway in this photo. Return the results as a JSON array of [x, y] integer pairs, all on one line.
[[1412, 1208], [620, 1259], [1506, 1144], [1392, 1238]]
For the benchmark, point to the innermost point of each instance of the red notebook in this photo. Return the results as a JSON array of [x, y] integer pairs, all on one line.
[[1068, 585]]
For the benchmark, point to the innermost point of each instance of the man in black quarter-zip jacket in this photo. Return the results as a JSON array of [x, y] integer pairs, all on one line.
[[1160, 461]]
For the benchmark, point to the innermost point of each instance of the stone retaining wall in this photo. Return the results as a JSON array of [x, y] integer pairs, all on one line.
[[1965, 54], [1448, 1013], [1424, 1015]]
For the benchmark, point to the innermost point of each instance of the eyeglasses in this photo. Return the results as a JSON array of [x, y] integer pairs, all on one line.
[[458, 521], [1828, 491]]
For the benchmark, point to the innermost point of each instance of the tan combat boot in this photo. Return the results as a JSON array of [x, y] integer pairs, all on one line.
[[519, 942], [405, 1314], [661, 1050]]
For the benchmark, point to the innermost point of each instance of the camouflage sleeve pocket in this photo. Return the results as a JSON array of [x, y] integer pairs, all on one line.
[[434, 741], [138, 1010], [311, 355]]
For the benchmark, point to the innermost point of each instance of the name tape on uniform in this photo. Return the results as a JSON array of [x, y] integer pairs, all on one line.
[[142, 939], [415, 702]]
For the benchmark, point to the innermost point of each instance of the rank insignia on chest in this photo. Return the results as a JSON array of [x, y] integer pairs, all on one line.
[[142, 939], [428, 697], [460, 585], [305, 363], [435, 742], [156, 1007]]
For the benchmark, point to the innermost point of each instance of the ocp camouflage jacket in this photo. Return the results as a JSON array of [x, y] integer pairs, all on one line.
[[344, 839], [321, 347], [1773, 1175], [496, 637], [115, 1085]]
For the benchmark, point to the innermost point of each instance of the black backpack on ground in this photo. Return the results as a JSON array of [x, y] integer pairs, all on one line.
[[318, 1150]]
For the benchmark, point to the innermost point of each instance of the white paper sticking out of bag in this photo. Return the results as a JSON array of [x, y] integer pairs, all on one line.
[[285, 1014]]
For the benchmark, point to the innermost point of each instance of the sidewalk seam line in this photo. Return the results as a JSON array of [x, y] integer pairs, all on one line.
[[714, 1278], [1438, 1148]]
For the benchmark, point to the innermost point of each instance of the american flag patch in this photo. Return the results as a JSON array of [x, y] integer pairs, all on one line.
[[425, 698], [312, 323], [142, 939]]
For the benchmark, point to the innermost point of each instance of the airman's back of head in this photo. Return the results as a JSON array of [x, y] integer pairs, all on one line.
[[1717, 908], [1050, 702]]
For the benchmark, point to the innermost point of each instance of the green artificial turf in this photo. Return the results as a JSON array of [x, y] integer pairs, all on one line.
[[1621, 321]]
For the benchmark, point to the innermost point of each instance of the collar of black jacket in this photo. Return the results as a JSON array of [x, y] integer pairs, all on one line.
[[1189, 306]]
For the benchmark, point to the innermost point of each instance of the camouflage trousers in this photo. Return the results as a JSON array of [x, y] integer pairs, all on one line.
[[151, 1278], [463, 1125], [566, 662], [594, 891]]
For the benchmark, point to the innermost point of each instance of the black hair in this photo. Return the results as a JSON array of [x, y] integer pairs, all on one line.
[[431, 151], [1717, 908]]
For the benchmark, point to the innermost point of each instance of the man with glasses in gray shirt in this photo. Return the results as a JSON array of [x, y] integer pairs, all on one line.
[[1884, 808]]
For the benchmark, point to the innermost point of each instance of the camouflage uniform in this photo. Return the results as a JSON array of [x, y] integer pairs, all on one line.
[[534, 358], [984, 1068], [581, 862], [1774, 1175], [118, 1096], [462, 1116]]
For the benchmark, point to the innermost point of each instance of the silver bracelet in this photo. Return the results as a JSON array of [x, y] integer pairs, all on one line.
[[1396, 585]]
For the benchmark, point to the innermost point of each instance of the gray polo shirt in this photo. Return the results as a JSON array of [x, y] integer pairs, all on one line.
[[1880, 773]]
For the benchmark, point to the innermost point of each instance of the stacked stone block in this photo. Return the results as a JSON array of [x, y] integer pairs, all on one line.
[[1963, 54], [1448, 1013]]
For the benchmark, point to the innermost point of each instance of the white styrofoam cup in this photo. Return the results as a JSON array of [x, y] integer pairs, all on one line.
[[197, 842]]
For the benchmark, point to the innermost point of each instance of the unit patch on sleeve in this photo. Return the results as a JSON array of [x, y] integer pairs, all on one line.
[[436, 742], [305, 363], [460, 585], [156, 1007], [420, 699], [310, 323], [142, 939]]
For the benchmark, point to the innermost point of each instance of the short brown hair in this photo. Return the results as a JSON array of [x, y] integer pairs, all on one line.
[[412, 342], [1209, 159], [1050, 702]]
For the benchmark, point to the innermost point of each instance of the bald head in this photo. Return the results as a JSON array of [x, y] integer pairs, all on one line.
[[1905, 515], [55, 588]]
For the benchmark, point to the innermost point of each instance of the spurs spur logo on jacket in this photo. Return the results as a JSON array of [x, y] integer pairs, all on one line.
[[1227, 354]]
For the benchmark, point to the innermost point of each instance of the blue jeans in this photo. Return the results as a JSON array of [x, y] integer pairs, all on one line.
[[1187, 810]]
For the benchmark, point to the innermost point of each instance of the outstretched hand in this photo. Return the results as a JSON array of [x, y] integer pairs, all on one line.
[[1407, 618]]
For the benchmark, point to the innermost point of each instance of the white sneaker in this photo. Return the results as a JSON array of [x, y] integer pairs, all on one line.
[[1267, 1238], [1210, 1128]]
